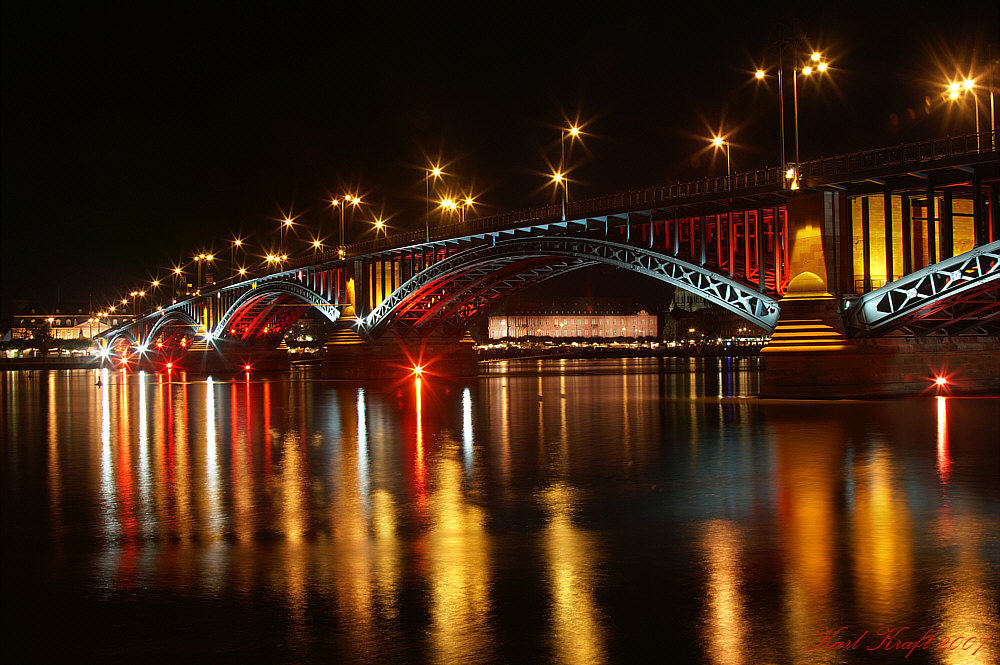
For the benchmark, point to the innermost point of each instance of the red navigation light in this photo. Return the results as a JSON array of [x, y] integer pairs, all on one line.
[[246, 367], [418, 370], [941, 381], [170, 365]]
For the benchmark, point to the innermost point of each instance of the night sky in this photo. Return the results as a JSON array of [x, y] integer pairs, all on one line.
[[133, 137]]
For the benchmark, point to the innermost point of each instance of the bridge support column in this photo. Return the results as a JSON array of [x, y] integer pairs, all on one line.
[[810, 354], [348, 356]]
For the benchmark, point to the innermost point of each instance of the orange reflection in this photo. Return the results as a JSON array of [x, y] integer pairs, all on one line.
[[807, 457], [577, 630], [387, 552], [242, 483], [966, 604], [726, 624], [459, 565], [54, 472], [883, 540], [182, 477]]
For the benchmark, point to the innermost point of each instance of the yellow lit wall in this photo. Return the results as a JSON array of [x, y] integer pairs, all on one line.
[[962, 225]]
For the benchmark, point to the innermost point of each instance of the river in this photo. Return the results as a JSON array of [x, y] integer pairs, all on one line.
[[587, 511]]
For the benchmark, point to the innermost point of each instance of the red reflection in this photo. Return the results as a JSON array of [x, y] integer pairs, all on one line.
[[420, 469], [267, 434], [943, 454]]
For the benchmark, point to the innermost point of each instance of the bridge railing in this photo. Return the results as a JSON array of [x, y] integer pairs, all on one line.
[[900, 155], [664, 195]]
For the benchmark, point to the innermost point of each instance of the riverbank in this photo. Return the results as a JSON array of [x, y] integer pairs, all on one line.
[[79, 362], [568, 352]]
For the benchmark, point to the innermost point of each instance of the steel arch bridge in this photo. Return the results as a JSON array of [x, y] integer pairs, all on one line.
[[453, 291], [898, 216]]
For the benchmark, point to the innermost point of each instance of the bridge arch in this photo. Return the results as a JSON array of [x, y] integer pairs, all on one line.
[[268, 310], [464, 284], [178, 319], [119, 344]]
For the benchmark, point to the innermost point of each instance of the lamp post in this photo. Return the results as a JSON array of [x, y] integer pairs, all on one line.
[[237, 244], [719, 142], [572, 132], [336, 203], [956, 89], [468, 203], [560, 180], [433, 172], [207, 258], [286, 225], [177, 273], [815, 63]]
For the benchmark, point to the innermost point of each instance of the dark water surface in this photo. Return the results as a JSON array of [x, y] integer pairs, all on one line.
[[555, 511]]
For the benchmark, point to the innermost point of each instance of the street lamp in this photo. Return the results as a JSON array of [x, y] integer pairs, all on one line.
[[814, 63], [468, 203], [819, 65], [434, 172], [177, 273], [719, 142], [559, 179], [968, 85], [236, 244], [335, 203], [286, 224], [572, 132], [207, 258]]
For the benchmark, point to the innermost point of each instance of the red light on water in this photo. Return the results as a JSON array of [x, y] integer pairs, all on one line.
[[170, 365], [418, 370], [246, 367], [941, 381]]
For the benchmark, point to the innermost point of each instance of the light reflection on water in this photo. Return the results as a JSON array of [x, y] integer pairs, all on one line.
[[543, 513]]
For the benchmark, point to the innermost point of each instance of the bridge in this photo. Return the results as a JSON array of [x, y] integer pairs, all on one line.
[[884, 256]]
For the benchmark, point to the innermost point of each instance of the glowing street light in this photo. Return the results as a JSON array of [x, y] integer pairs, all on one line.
[[207, 258], [719, 142], [968, 85], [572, 133], [335, 203], [469, 202], [435, 172], [807, 70], [236, 244], [815, 62]]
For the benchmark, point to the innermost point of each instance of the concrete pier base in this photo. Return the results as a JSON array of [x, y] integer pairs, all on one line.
[[885, 367], [810, 357], [348, 356]]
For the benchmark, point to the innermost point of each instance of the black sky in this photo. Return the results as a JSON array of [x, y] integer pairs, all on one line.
[[133, 136]]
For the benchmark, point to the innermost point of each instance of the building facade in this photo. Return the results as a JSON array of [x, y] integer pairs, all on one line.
[[63, 321], [586, 325]]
